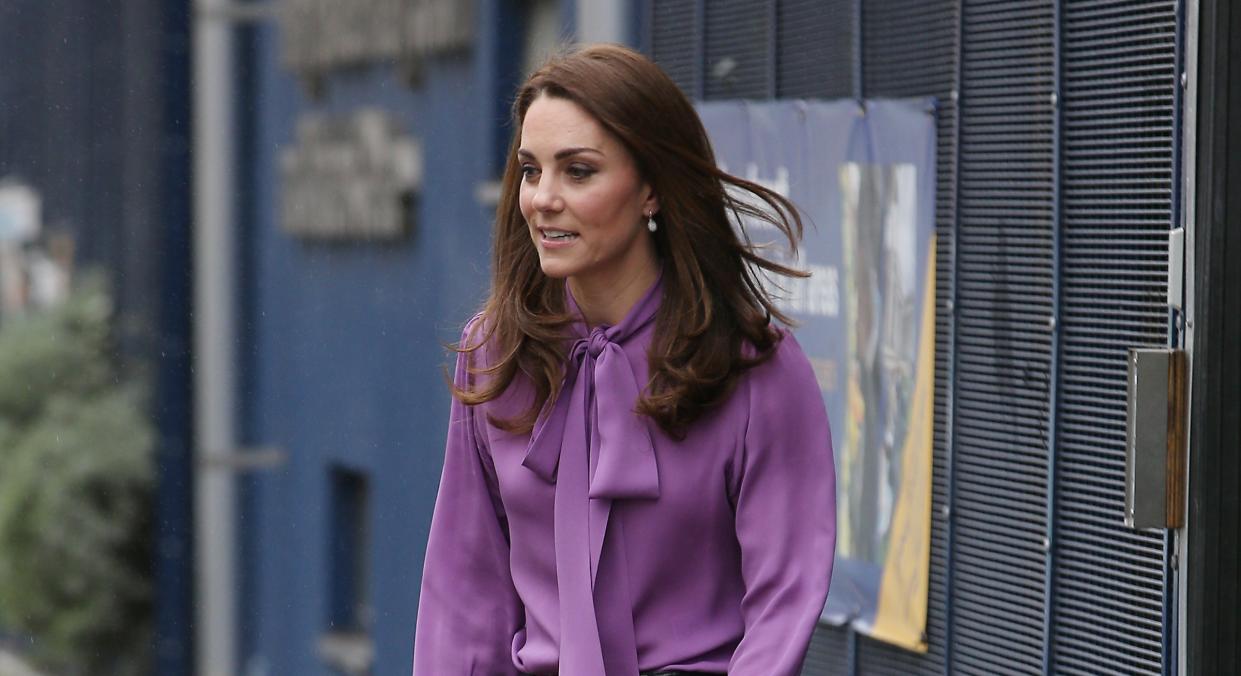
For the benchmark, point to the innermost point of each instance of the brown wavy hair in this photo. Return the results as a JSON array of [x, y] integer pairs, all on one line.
[[715, 318]]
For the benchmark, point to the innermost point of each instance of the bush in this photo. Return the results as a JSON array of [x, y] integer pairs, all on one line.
[[76, 475]]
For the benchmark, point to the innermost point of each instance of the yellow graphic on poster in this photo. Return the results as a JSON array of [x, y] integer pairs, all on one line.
[[905, 583]]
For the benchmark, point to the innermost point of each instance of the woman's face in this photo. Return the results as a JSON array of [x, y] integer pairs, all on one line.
[[582, 197]]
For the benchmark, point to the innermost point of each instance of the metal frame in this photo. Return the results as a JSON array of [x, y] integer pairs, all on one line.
[[1213, 587], [1188, 50], [1171, 574]]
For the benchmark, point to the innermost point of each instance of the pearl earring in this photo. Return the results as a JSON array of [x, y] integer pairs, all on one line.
[[650, 222]]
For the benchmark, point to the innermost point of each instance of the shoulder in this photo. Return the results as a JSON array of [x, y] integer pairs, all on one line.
[[474, 330], [785, 374], [479, 365], [786, 359], [477, 346], [784, 416], [474, 352]]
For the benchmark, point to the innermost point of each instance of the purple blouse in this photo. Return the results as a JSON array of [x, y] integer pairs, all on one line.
[[598, 545]]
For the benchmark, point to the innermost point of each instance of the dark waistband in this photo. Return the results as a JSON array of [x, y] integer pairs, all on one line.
[[676, 672]]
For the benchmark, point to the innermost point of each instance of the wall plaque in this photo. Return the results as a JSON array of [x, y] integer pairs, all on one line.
[[319, 36], [350, 177]]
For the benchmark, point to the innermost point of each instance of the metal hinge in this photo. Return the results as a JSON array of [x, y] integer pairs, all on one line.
[[1176, 268]]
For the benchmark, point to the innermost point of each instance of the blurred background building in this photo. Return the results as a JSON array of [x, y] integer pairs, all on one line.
[[95, 112], [345, 157]]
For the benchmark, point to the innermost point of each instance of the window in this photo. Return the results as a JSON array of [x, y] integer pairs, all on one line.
[[346, 645]]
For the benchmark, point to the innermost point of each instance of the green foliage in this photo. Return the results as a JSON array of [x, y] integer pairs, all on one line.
[[76, 474]]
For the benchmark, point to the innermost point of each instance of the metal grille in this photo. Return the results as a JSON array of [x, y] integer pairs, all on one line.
[[923, 32], [998, 260], [1119, 80], [909, 48], [814, 48], [675, 29], [738, 49], [828, 654], [1003, 339]]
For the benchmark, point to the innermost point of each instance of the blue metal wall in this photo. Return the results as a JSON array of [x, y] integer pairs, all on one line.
[[343, 361]]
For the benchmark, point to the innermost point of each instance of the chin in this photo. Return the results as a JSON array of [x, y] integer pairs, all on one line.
[[554, 270]]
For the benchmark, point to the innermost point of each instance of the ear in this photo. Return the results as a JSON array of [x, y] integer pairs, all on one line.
[[650, 204]]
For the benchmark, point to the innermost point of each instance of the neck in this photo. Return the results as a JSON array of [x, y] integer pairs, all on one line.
[[608, 301]]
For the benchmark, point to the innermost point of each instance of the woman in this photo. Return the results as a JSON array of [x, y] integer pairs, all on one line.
[[638, 476]]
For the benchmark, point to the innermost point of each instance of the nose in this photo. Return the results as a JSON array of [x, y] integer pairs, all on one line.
[[545, 196]]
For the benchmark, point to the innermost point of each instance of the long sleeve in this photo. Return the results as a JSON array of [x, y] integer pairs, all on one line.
[[784, 488], [468, 611]]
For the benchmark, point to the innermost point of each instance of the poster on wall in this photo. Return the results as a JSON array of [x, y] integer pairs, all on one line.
[[863, 178]]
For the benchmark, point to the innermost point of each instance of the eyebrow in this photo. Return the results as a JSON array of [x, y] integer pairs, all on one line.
[[560, 154]]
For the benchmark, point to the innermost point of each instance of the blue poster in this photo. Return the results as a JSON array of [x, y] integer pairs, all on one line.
[[863, 179]]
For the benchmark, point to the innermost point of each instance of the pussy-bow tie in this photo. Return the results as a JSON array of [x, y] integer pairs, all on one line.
[[596, 449]]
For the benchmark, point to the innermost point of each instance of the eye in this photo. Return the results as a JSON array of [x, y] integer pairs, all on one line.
[[529, 172], [579, 172]]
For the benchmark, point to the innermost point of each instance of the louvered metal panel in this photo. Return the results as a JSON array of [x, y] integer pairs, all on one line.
[[814, 48], [910, 50], [1119, 84], [1007, 360], [828, 654], [1004, 303], [675, 31], [738, 49]]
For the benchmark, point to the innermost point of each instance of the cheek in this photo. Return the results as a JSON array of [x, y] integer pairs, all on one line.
[[523, 201], [601, 205], [614, 209]]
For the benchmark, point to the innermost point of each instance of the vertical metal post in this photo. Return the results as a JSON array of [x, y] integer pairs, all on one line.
[[700, 49], [950, 516], [858, 90], [1054, 327], [214, 333], [773, 51]]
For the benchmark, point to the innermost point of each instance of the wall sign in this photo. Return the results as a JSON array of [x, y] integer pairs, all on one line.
[[319, 36], [350, 177]]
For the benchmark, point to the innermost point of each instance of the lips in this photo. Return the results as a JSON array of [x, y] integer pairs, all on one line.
[[557, 235]]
